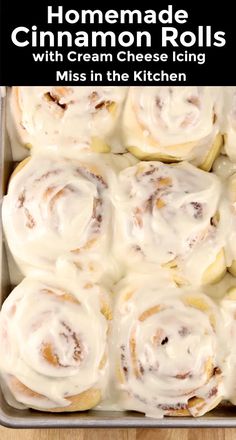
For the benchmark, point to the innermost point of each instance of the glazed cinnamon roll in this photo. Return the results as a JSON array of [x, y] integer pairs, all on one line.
[[167, 354], [71, 119], [51, 357], [57, 215], [168, 215], [173, 124]]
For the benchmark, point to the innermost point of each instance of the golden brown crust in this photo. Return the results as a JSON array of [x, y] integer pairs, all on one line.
[[151, 156], [213, 153], [216, 271], [80, 402], [206, 165], [99, 146], [20, 166]]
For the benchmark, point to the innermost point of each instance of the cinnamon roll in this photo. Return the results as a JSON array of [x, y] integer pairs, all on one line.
[[71, 119], [51, 357], [168, 215], [56, 215], [166, 349], [173, 124]]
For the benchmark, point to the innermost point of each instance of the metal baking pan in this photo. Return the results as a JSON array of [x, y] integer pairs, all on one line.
[[223, 416]]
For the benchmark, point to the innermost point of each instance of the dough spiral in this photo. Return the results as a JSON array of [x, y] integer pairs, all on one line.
[[168, 215], [174, 124], [49, 360], [66, 119], [166, 349], [57, 212]]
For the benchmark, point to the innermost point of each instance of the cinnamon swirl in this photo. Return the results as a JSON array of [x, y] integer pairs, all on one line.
[[168, 215], [174, 124], [66, 119], [57, 213], [51, 357], [166, 349]]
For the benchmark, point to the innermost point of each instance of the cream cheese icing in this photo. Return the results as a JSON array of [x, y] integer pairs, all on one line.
[[57, 212], [229, 128], [181, 122], [228, 216], [45, 342], [228, 307], [166, 214], [154, 214], [166, 348], [223, 167], [66, 119]]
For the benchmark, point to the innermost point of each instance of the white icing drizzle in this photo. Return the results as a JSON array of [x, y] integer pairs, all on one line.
[[223, 167], [228, 217], [57, 213], [228, 307], [166, 348], [94, 217], [65, 119], [230, 122], [42, 314], [178, 121], [165, 213]]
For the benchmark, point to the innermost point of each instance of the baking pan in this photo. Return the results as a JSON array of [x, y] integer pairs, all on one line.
[[223, 416]]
